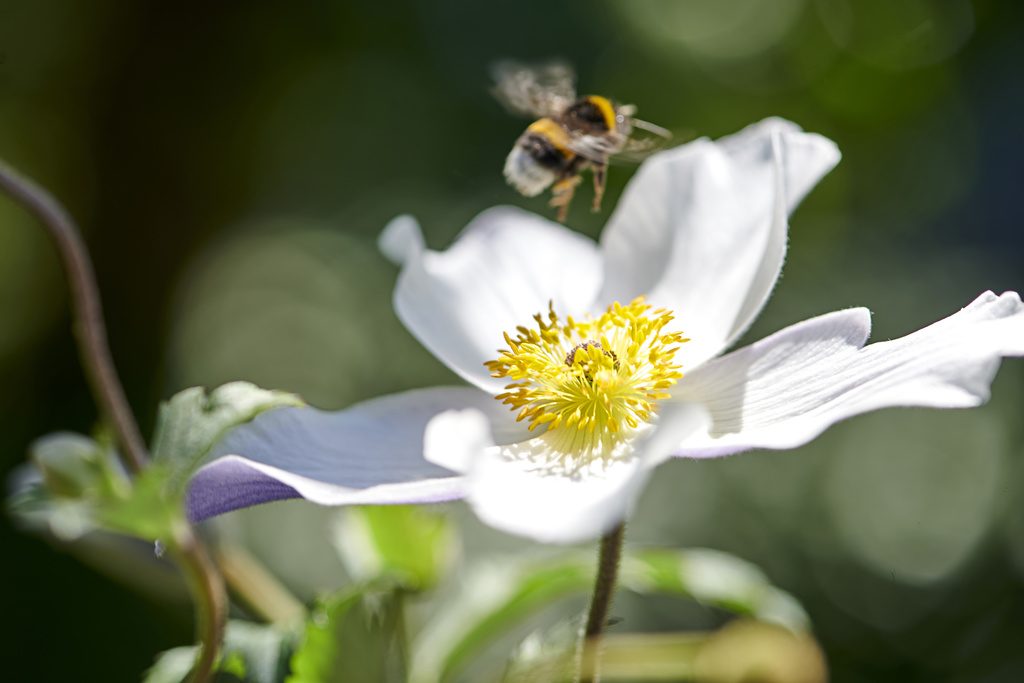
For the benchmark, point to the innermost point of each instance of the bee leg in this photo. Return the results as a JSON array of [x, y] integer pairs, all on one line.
[[600, 178], [561, 195]]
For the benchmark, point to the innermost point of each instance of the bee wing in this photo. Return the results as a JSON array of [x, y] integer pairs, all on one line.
[[601, 148], [640, 146], [535, 91], [595, 147], [638, 149]]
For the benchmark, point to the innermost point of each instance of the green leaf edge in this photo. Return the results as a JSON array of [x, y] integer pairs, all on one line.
[[498, 596]]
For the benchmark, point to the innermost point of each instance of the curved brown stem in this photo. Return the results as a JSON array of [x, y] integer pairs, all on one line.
[[205, 582], [207, 588], [88, 313]]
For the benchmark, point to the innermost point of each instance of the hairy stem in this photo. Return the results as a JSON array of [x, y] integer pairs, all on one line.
[[604, 585], [601, 599], [89, 329], [205, 582]]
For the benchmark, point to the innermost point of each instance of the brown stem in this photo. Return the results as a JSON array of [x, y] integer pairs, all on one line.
[[207, 589], [600, 602], [88, 313], [204, 581], [604, 585]]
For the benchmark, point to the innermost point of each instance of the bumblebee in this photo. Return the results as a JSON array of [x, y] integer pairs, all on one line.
[[573, 133]]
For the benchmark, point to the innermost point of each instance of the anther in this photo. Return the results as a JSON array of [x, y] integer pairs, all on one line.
[[570, 357]]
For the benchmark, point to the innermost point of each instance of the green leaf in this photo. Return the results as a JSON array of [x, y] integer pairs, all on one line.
[[498, 598], [493, 599], [75, 466], [547, 654], [407, 545], [261, 653], [79, 487], [82, 486], [633, 657], [171, 666], [193, 421], [713, 578], [38, 511], [350, 638], [743, 650], [252, 653], [146, 510]]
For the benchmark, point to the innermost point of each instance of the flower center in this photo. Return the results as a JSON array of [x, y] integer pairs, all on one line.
[[590, 384]]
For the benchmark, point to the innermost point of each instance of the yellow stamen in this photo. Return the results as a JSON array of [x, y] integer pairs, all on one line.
[[587, 385]]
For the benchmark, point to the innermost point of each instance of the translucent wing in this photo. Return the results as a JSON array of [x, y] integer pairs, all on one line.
[[535, 91], [636, 143], [597, 147], [638, 149]]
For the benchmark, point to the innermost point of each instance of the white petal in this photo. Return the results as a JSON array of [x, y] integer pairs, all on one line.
[[786, 389], [504, 268], [511, 489], [454, 438], [701, 229], [371, 453]]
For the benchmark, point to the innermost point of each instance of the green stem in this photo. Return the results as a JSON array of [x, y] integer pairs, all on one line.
[[601, 600], [207, 590], [402, 631], [89, 329], [256, 588]]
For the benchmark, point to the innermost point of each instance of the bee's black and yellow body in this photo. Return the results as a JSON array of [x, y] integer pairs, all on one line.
[[541, 156], [569, 134], [592, 114], [554, 150]]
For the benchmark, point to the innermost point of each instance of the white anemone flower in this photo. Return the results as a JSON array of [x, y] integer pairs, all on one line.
[[589, 364]]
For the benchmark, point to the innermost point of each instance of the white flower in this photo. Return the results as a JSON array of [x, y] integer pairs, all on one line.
[[606, 380]]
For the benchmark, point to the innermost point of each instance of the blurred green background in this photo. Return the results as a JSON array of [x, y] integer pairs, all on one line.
[[232, 163]]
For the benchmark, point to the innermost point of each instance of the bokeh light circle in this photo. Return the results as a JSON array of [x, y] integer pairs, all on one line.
[[297, 306], [710, 29], [912, 493], [903, 35]]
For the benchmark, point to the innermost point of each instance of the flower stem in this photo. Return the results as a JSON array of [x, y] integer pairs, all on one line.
[[256, 588], [604, 590], [207, 590], [204, 580], [402, 630], [604, 586], [88, 325]]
